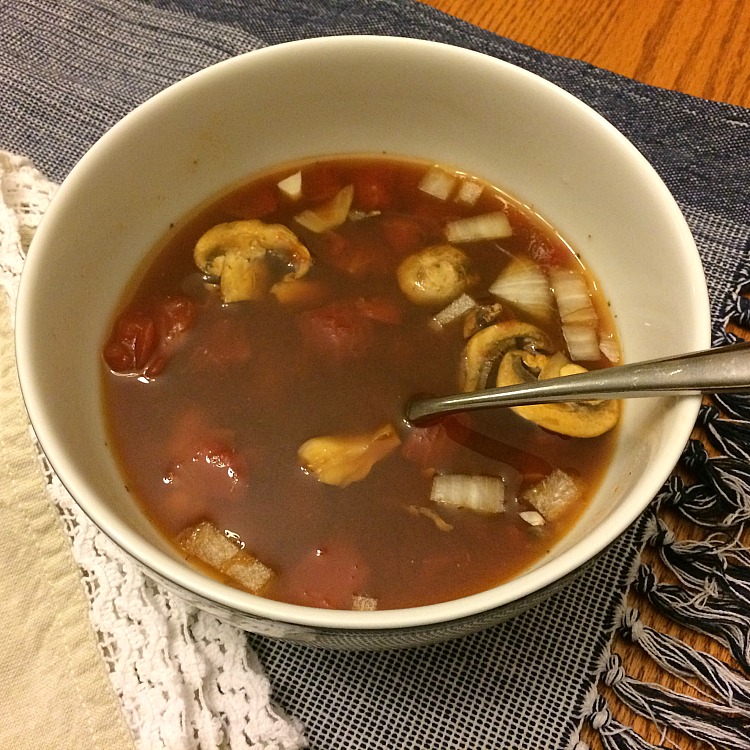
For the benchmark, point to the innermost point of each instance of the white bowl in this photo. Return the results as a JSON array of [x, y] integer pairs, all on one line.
[[355, 95]]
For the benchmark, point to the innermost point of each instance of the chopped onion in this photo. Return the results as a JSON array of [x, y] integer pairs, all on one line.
[[572, 297], [438, 520], [491, 226], [553, 495], [532, 517], [292, 186], [438, 183], [364, 603], [331, 214], [469, 192], [582, 341], [526, 286], [227, 555], [610, 349], [481, 493], [460, 306]]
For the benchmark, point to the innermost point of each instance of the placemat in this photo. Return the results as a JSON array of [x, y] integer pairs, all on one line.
[[69, 70]]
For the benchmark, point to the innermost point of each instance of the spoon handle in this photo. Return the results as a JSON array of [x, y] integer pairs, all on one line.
[[723, 369]]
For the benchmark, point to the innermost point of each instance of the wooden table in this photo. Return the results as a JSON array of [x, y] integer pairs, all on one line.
[[699, 47]]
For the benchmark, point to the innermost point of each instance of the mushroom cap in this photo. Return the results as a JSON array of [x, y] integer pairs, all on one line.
[[251, 238], [576, 418], [435, 275], [235, 250]]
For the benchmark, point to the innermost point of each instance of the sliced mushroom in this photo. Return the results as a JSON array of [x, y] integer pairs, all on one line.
[[487, 346], [435, 275], [342, 459], [237, 253], [576, 418]]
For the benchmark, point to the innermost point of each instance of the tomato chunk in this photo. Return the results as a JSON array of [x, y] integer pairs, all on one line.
[[432, 447], [320, 182], [328, 577], [373, 190], [337, 330], [132, 342], [142, 340], [403, 235], [358, 258], [379, 309]]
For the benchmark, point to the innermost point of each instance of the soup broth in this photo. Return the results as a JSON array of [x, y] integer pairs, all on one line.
[[265, 437]]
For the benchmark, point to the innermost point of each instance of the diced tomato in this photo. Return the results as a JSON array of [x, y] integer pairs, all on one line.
[[320, 182], [260, 203], [221, 345], [354, 258], [215, 471], [142, 340], [403, 235], [327, 577], [174, 315], [132, 342], [337, 330], [204, 463], [379, 309], [373, 190], [433, 445]]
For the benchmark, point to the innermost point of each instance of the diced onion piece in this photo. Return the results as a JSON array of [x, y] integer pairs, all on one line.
[[342, 459], [553, 495], [532, 517], [329, 215], [610, 349], [214, 548], [572, 296], [292, 186], [480, 493], [438, 183], [438, 520], [469, 192], [460, 306], [249, 572], [525, 285], [364, 603], [491, 226], [209, 545], [582, 341]]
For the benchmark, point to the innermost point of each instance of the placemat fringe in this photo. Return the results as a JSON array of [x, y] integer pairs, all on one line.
[[710, 590], [712, 723], [612, 734], [718, 618], [695, 562], [674, 656]]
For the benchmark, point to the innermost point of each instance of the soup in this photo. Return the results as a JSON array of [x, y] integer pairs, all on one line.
[[256, 373]]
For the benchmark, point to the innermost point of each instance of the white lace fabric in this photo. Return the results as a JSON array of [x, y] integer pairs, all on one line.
[[185, 680]]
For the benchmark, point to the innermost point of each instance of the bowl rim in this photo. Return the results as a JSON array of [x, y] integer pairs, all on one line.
[[160, 563]]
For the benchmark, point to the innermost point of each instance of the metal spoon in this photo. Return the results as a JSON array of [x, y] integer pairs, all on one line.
[[723, 369]]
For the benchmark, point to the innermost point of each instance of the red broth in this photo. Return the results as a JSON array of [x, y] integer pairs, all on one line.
[[208, 403]]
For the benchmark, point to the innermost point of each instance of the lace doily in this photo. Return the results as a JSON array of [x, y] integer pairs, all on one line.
[[186, 680]]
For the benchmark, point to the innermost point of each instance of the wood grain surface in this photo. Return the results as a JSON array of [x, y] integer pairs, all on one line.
[[698, 47]]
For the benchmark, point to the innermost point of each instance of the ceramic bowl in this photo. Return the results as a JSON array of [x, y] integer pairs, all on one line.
[[355, 95]]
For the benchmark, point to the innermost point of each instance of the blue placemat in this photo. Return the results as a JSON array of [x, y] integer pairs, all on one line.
[[71, 69]]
